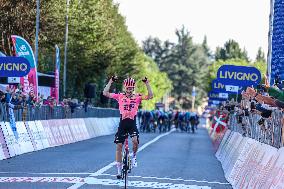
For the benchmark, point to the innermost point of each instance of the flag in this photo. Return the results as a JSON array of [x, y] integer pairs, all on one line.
[[23, 49], [55, 89]]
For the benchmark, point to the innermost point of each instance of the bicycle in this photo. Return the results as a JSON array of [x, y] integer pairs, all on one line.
[[127, 166]]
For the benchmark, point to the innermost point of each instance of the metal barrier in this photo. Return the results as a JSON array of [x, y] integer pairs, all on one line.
[[270, 132], [30, 113]]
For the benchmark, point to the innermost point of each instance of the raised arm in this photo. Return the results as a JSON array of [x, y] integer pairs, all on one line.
[[107, 87], [150, 93]]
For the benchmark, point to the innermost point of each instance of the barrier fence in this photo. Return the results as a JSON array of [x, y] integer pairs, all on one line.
[[31, 113], [265, 130], [251, 150], [30, 129]]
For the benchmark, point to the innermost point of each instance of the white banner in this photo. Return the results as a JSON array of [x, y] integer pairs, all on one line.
[[224, 95], [232, 88]]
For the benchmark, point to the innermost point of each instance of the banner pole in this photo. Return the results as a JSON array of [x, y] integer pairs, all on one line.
[[37, 30], [65, 50]]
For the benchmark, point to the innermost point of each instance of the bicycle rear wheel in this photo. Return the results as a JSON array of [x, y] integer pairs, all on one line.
[[125, 168]]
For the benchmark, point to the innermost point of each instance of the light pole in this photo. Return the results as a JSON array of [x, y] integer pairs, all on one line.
[[65, 50], [37, 30], [193, 98]]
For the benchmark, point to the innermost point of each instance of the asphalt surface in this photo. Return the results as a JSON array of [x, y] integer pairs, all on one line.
[[168, 160]]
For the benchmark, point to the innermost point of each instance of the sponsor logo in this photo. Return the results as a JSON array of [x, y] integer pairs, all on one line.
[[23, 47], [238, 76]]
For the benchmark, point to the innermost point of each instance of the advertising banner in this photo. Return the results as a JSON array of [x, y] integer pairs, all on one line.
[[239, 75], [23, 49], [14, 67], [55, 90], [276, 56], [219, 87], [218, 95]]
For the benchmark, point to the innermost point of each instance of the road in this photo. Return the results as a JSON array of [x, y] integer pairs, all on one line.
[[168, 160]]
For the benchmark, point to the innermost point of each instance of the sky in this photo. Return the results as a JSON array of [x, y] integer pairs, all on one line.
[[246, 21]]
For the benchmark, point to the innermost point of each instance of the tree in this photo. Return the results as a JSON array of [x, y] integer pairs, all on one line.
[[18, 18], [99, 44], [231, 50], [185, 63], [260, 57], [206, 47]]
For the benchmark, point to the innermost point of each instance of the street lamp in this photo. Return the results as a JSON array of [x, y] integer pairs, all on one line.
[[37, 30], [65, 50]]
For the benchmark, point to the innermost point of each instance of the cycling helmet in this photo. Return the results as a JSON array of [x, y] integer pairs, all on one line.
[[129, 82]]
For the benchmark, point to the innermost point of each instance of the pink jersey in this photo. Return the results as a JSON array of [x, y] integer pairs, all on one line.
[[128, 107]]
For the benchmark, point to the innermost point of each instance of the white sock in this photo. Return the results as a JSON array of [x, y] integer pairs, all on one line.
[[119, 167]]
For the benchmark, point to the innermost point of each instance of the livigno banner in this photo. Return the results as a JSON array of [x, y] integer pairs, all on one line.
[[23, 49], [239, 75], [218, 86], [14, 67]]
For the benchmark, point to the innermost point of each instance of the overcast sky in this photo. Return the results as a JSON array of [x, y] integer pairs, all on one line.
[[246, 21]]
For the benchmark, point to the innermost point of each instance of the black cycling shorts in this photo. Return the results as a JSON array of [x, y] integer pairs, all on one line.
[[126, 127]]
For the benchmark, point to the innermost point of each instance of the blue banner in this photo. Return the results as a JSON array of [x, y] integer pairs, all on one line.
[[14, 67], [213, 94], [217, 99], [219, 87], [277, 42], [57, 58], [239, 75]]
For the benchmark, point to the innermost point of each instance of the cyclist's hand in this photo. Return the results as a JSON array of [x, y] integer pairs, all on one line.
[[114, 78], [145, 80]]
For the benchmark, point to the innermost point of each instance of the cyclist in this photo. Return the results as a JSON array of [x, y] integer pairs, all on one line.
[[187, 118], [181, 121], [192, 120], [128, 107]]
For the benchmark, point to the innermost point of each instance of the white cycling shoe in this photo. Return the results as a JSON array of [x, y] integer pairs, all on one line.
[[119, 169], [134, 161]]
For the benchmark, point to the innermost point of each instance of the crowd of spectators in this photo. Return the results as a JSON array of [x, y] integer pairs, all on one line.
[[262, 106], [14, 97]]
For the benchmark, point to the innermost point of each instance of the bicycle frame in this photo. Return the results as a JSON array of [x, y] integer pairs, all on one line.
[[126, 162]]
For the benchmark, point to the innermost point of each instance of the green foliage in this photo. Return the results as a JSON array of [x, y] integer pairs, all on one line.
[[159, 81], [99, 44], [260, 57], [185, 63], [231, 50]]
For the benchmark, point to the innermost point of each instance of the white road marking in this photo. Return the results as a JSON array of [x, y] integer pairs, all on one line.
[[79, 181], [171, 179], [109, 166], [104, 174], [96, 181], [142, 184], [33, 173], [43, 179]]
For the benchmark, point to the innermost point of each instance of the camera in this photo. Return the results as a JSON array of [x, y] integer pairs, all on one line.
[[277, 80]]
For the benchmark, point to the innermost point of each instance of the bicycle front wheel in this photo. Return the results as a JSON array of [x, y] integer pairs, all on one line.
[[125, 174]]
